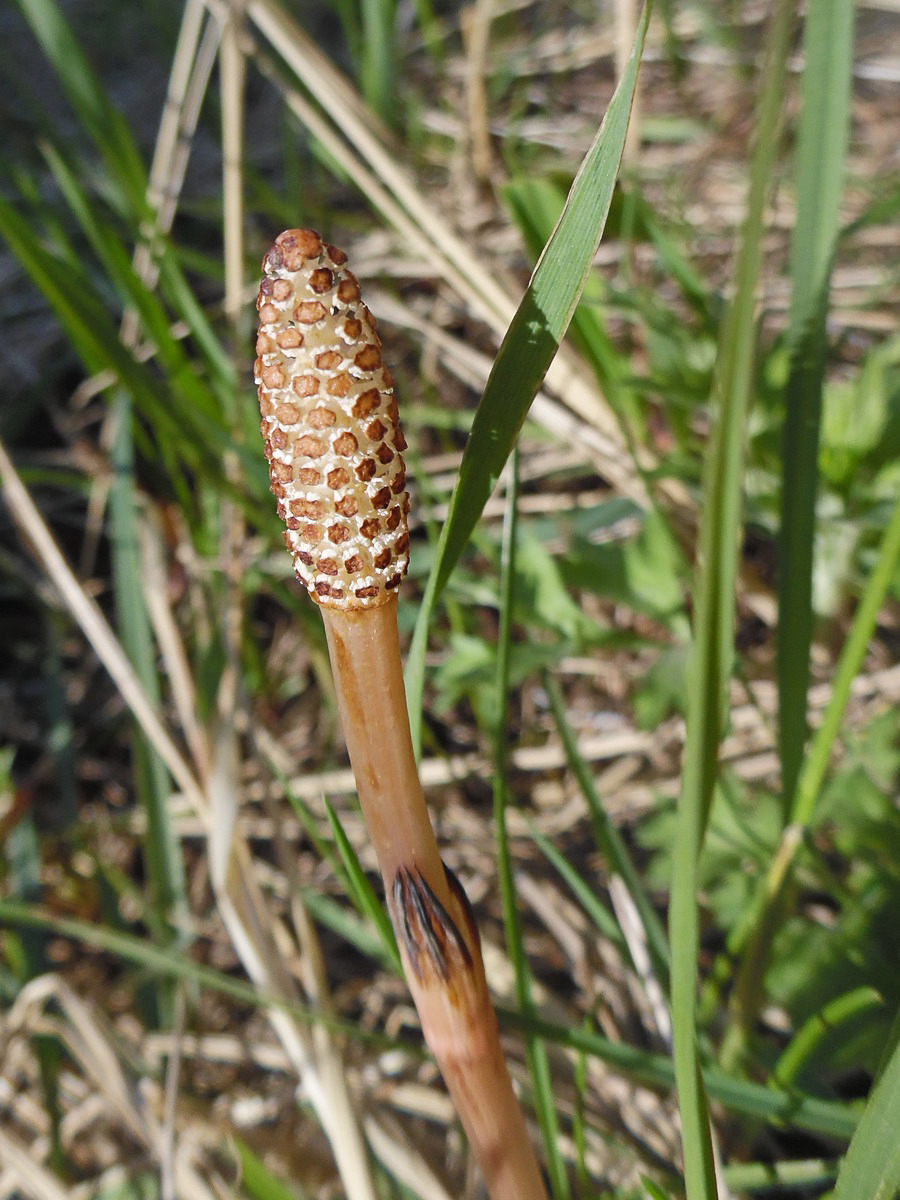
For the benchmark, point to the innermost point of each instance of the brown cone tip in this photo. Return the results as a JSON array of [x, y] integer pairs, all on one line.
[[331, 428]]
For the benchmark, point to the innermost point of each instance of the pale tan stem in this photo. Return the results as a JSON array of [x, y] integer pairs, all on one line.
[[368, 675], [436, 933]]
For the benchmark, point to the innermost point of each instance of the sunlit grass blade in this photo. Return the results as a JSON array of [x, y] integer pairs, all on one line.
[[654, 1191], [761, 1178], [192, 396], [714, 606], [347, 925], [527, 351], [125, 182], [820, 163], [75, 299], [852, 657], [535, 205], [185, 413], [536, 1052], [26, 956], [871, 1170], [148, 302]]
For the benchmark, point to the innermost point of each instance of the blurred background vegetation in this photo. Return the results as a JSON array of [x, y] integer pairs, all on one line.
[[675, 627]]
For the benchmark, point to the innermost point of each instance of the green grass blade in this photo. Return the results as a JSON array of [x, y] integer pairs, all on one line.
[[190, 394], [161, 847], [755, 1100], [610, 842], [163, 961], [871, 1170], [22, 868], [361, 890], [821, 149], [759, 1177], [713, 646], [347, 925], [95, 338], [536, 1051], [71, 295], [654, 1191], [535, 206], [378, 69], [257, 1181], [761, 922], [826, 1117], [821, 1025], [583, 892], [96, 112], [527, 351], [851, 661]]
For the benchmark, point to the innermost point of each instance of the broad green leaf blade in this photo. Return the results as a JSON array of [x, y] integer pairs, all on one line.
[[821, 151], [871, 1170], [712, 652], [527, 351]]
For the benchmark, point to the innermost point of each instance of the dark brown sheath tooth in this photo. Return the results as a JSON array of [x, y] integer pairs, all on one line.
[[430, 937], [329, 421]]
